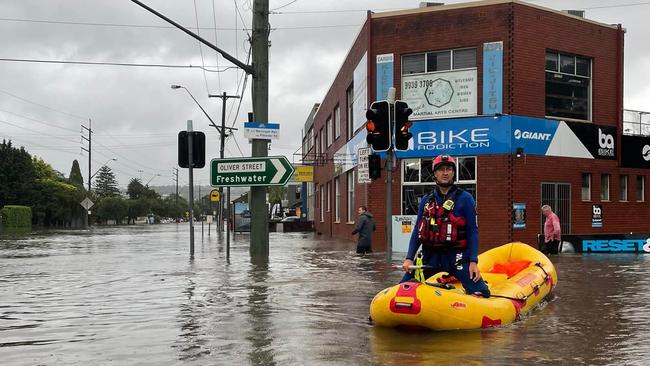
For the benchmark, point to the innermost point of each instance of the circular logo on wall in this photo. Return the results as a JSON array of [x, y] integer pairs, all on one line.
[[646, 153], [517, 134]]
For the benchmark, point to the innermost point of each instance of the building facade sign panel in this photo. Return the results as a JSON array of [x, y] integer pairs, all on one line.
[[346, 157], [384, 75], [635, 151], [441, 94], [360, 97], [493, 77]]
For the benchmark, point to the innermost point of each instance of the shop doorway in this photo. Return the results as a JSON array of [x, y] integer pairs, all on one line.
[[558, 196]]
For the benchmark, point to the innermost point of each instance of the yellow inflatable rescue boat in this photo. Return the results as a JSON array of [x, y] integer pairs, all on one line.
[[518, 275]]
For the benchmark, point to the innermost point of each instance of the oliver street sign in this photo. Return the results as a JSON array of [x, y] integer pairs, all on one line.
[[246, 172]]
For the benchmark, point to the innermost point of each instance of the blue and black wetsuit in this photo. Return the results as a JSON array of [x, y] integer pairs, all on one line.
[[455, 261]]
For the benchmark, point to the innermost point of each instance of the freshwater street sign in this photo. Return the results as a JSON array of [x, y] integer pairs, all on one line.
[[247, 172]]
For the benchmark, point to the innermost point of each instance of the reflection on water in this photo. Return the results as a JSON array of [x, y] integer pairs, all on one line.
[[131, 296]]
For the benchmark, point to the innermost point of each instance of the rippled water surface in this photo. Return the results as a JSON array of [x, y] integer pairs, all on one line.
[[131, 296]]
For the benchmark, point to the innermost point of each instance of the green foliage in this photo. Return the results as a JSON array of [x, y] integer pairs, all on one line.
[[135, 188], [105, 183], [16, 216], [277, 194], [17, 175], [112, 208], [75, 175]]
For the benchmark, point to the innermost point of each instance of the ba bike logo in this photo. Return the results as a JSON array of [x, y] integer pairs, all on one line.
[[645, 153], [605, 143]]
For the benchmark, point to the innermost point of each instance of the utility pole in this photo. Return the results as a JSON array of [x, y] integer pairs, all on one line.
[[89, 150], [190, 159], [222, 134], [175, 175], [259, 246]]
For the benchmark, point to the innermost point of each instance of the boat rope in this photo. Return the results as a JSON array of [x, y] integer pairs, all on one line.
[[536, 287]]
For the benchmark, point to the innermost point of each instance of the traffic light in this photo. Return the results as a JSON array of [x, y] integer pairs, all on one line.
[[374, 166], [378, 126], [198, 149], [402, 125]]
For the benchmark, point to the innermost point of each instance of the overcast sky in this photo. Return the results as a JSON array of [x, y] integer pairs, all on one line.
[[135, 114]]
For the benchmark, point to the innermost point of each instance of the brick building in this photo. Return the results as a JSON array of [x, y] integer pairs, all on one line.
[[528, 99]]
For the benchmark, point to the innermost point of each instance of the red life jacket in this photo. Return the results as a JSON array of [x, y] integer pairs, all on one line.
[[439, 228]]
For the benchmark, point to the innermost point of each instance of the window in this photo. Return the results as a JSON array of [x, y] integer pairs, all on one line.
[[349, 97], [330, 135], [321, 137], [586, 187], [421, 63], [322, 203], [604, 187], [568, 86], [640, 188], [337, 202], [623, 187], [329, 199], [310, 141], [418, 180], [318, 145], [350, 176], [337, 122]]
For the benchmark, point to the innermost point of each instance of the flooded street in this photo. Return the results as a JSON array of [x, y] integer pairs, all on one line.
[[130, 296]]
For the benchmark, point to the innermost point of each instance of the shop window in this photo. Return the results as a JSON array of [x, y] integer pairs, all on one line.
[[623, 187], [413, 64], [337, 122], [640, 188], [568, 86], [439, 61], [322, 203], [586, 187], [351, 207], [418, 180], [337, 200], [330, 132], [329, 199], [464, 59], [604, 187], [349, 97]]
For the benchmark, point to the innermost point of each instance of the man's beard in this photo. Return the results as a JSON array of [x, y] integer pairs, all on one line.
[[445, 184]]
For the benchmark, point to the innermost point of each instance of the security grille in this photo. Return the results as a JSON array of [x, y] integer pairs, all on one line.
[[558, 196]]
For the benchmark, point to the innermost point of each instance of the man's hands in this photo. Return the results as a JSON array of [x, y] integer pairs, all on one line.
[[474, 273], [407, 263]]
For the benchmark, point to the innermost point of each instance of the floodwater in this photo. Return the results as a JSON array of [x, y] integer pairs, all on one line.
[[131, 296]]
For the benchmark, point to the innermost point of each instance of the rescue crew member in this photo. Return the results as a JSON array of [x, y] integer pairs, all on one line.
[[447, 232]]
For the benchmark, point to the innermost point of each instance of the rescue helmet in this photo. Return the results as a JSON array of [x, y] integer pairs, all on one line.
[[444, 159]]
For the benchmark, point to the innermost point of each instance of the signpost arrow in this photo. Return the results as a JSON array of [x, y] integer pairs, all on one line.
[[246, 172]]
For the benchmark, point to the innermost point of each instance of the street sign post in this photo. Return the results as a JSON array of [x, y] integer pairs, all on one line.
[[247, 172], [363, 174]]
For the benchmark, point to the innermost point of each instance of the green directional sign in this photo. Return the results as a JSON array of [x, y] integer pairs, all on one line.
[[246, 172]]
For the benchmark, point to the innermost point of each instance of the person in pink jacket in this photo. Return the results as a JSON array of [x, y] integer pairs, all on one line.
[[552, 231]]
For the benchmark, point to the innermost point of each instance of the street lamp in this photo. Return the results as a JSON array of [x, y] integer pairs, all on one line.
[[195, 101], [100, 168]]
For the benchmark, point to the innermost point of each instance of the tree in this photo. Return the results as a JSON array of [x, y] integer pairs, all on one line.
[[75, 175], [105, 183], [112, 207], [17, 175], [277, 194], [135, 188]]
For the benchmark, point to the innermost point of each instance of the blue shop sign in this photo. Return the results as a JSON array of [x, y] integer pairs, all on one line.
[[459, 136]]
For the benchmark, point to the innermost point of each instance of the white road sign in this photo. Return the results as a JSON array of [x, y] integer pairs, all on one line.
[[363, 173]]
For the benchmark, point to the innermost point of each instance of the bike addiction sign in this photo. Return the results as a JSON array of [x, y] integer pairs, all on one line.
[[441, 94], [504, 134]]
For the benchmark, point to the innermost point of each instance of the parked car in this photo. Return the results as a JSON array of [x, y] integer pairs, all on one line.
[[290, 219]]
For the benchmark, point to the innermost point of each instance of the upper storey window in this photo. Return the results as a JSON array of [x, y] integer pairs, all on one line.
[[568, 86]]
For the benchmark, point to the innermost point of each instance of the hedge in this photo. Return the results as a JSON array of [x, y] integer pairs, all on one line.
[[16, 216]]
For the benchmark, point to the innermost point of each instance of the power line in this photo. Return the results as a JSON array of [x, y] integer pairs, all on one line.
[[283, 6], [198, 33], [216, 40], [114, 64], [37, 121], [38, 132], [40, 105]]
